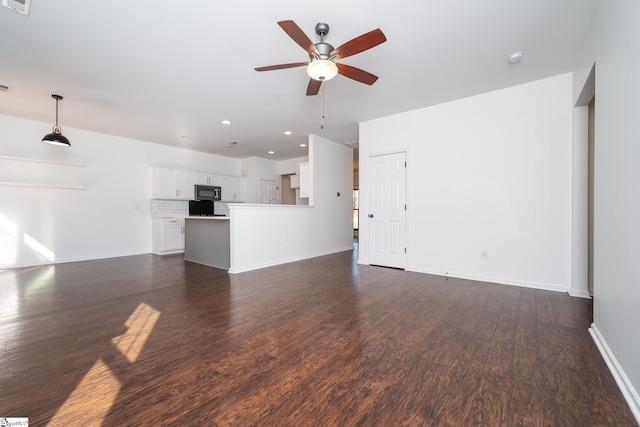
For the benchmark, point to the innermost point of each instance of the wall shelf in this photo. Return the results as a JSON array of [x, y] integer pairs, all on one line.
[[50, 162], [27, 172]]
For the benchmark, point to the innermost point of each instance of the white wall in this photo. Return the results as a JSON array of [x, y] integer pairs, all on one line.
[[286, 167], [490, 172], [110, 218], [617, 195], [265, 235], [255, 169]]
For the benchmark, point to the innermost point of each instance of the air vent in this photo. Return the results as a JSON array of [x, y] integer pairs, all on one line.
[[4, 88], [20, 6]]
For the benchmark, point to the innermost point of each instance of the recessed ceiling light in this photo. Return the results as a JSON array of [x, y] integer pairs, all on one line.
[[226, 122], [515, 57], [271, 152], [303, 145], [287, 132]]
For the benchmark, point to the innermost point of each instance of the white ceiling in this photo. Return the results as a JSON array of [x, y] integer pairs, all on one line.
[[155, 70]]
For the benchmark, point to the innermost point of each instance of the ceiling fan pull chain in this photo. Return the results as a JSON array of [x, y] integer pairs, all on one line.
[[322, 108]]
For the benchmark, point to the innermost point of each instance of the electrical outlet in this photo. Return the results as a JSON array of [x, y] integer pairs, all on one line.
[[484, 254]]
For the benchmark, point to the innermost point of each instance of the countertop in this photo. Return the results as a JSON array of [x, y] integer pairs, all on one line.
[[208, 217], [179, 216]]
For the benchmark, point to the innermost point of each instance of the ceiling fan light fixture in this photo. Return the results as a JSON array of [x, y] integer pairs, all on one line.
[[322, 69], [56, 137]]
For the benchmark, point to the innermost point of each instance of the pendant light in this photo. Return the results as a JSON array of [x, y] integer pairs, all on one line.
[[56, 137]]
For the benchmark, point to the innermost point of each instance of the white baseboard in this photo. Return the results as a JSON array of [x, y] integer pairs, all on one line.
[[579, 293], [630, 394], [75, 259], [236, 270], [503, 281]]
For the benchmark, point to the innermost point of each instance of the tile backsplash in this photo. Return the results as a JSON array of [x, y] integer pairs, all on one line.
[[181, 207], [221, 208], [162, 206]]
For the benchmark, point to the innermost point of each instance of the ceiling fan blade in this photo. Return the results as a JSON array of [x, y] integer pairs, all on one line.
[[360, 44], [281, 66], [314, 87], [356, 74], [298, 36]]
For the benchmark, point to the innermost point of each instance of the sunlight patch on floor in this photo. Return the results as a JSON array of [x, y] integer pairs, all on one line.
[[140, 324], [91, 400]]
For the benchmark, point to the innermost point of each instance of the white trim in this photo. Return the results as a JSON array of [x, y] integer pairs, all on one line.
[[287, 260], [579, 293], [76, 259], [259, 206], [502, 281], [629, 393]]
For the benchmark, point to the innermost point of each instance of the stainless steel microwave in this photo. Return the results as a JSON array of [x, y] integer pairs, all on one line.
[[208, 192]]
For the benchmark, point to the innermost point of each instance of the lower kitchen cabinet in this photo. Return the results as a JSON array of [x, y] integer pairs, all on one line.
[[167, 235]]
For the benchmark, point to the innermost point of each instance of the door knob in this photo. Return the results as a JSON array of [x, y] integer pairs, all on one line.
[[370, 215]]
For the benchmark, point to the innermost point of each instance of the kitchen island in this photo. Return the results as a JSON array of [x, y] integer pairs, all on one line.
[[207, 241]]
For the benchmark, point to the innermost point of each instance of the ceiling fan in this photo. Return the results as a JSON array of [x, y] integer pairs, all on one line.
[[322, 63]]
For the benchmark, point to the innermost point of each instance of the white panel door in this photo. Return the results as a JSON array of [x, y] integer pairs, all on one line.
[[387, 210], [269, 192]]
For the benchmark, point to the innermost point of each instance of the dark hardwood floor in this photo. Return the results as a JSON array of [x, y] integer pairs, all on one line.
[[149, 340]]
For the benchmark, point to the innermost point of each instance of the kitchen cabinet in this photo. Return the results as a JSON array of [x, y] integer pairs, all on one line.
[[233, 188], [172, 184], [167, 235], [207, 179], [295, 181], [208, 241], [306, 180]]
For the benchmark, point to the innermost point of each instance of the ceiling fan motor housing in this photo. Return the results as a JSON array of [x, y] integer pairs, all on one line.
[[324, 50]]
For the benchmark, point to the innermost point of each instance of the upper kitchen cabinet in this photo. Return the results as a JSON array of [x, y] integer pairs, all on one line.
[[306, 180], [207, 179], [172, 184], [233, 188]]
